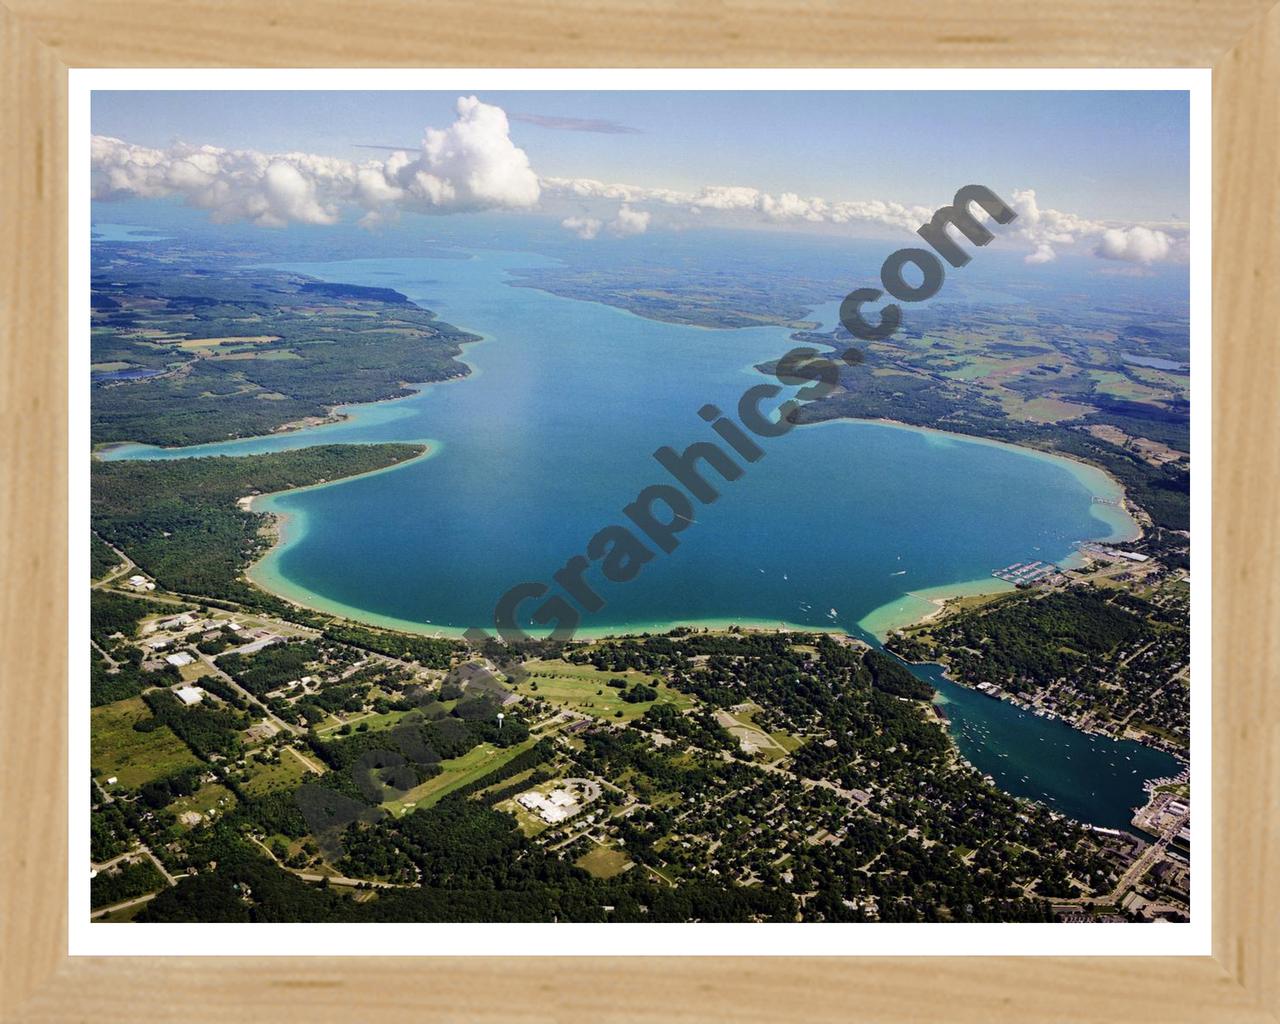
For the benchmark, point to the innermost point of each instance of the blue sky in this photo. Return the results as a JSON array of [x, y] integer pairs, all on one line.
[[1113, 156]]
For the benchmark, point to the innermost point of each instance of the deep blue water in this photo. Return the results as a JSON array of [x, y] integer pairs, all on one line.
[[135, 373], [553, 434], [1091, 778], [1153, 362]]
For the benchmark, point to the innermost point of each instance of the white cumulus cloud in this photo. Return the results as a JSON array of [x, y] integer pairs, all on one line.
[[583, 227], [473, 165], [470, 165], [629, 221], [1135, 245]]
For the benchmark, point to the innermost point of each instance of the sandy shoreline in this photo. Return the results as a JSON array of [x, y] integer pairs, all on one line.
[[910, 609], [920, 606]]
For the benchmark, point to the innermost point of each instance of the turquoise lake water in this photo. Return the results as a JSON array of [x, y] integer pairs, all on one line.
[[837, 526]]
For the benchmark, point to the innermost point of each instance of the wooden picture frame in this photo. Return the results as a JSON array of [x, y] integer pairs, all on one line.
[[42, 39]]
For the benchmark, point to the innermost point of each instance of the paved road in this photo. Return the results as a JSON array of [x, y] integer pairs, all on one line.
[[311, 765], [253, 701], [1146, 860], [127, 565], [311, 876], [141, 848], [115, 665], [156, 861], [122, 906], [133, 851]]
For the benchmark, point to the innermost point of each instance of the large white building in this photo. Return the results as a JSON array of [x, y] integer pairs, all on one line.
[[189, 695], [551, 807]]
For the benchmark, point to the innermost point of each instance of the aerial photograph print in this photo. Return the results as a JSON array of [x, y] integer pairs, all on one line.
[[625, 506]]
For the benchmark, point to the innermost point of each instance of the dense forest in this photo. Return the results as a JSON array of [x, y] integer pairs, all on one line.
[[124, 882], [430, 652], [1104, 659], [111, 613], [1040, 639], [179, 520], [101, 559]]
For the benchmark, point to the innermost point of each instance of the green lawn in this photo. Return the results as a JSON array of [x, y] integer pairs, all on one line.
[[1117, 384], [575, 686], [196, 670], [266, 778], [786, 741], [603, 862], [133, 757], [374, 722], [474, 764]]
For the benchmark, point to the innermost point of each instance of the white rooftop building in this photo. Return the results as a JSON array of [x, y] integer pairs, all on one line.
[[551, 807], [189, 695], [179, 659]]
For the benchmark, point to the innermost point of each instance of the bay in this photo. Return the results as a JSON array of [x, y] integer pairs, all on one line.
[[839, 525]]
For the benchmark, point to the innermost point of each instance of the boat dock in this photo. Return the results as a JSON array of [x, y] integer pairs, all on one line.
[[1022, 573]]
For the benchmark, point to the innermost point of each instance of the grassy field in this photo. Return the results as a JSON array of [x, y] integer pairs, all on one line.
[[196, 670], [1043, 410], [786, 741], [1117, 384], [603, 862], [770, 746], [133, 757], [265, 778], [474, 764], [209, 797], [586, 689], [509, 781], [199, 343], [374, 722]]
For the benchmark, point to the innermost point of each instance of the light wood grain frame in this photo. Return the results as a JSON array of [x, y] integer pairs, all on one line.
[[41, 39]]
